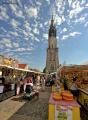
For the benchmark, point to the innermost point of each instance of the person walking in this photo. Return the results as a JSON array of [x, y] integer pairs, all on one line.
[[43, 83], [74, 89]]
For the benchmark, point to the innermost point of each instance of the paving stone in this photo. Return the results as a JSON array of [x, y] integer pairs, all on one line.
[[34, 109]]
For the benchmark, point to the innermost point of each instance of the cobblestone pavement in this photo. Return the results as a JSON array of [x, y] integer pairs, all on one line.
[[9, 107], [36, 109]]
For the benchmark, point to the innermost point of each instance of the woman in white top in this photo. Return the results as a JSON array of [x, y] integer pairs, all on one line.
[[74, 89]]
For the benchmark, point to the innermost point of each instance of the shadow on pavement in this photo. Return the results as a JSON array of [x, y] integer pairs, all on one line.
[[36, 109]]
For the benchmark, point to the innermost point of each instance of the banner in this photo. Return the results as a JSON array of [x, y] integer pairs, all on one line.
[[63, 112]]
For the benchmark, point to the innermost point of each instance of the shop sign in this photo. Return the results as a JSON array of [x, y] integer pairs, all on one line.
[[63, 112], [7, 61]]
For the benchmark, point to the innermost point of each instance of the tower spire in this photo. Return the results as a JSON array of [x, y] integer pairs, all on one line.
[[52, 16], [52, 20]]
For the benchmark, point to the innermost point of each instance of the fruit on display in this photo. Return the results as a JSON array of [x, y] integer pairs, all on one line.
[[57, 96], [67, 96]]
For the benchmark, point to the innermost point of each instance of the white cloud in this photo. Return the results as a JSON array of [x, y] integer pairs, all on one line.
[[16, 9], [65, 37], [58, 20], [3, 14], [16, 45], [70, 2], [63, 18], [6, 42], [41, 25], [38, 3], [27, 26], [76, 9], [70, 35], [48, 1], [80, 20], [14, 33], [13, 7], [26, 38], [45, 36], [19, 2], [86, 24], [74, 33], [26, 34], [87, 5], [14, 23], [23, 49], [46, 23], [31, 11], [25, 53], [64, 30], [36, 39], [83, 2], [60, 6], [20, 49], [75, 4], [31, 34], [36, 31], [19, 13], [73, 13]]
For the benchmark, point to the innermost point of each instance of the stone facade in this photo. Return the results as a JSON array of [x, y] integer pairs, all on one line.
[[52, 62]]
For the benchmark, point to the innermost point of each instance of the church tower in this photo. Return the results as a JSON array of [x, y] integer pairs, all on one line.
[[52, 62]]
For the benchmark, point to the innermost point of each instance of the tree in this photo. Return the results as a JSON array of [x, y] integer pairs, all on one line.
[[44, 70]]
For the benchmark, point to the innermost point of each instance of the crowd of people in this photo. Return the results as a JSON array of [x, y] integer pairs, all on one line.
[[33, 81], [21, 82]]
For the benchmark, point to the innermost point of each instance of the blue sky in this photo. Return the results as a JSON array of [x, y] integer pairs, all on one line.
[[24, 30]]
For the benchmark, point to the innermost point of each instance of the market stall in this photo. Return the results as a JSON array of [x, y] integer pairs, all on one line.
[[83, 97], [6, 91], [62, 106]]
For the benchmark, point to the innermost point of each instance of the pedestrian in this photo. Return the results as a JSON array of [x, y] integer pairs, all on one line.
[[74, 89], [43, 83], [18, 87]]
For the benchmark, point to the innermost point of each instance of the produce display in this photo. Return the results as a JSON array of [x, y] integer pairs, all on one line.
[[65, 95], [57, 96], [62, 106]]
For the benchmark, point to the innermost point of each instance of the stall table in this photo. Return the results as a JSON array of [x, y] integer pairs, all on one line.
[[70, 109]]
